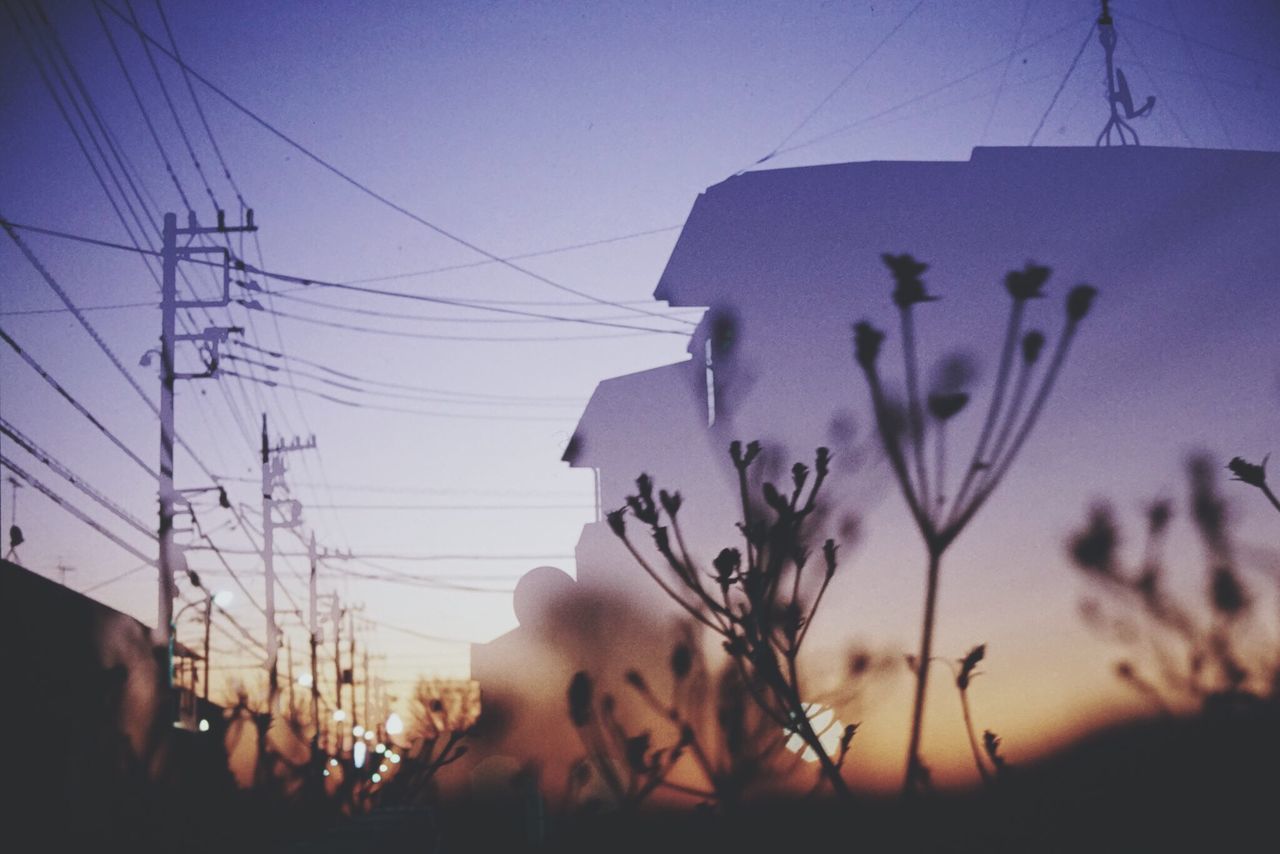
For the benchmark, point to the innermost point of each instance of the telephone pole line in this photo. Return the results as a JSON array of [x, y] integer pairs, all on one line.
[[208, 342], [273, 469], [313, 626]]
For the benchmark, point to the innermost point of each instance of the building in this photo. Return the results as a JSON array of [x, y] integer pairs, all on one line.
[[93, 749], [785, 260]]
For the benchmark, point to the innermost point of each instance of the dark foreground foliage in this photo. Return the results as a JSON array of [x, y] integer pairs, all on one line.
[[1174, 784]]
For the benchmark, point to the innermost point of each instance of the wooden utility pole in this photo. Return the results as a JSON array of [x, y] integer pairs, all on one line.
[[273, 469], [313, 626], [208, 341]]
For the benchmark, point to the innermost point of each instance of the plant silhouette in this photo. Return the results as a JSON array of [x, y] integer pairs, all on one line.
[[1255, 475], [442, 722], [940, 519], [1182, 659], [719, 734], [988, 754], [760, 600]]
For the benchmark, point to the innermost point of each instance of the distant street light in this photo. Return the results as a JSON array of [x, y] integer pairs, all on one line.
[[395, 725], [222, 599]]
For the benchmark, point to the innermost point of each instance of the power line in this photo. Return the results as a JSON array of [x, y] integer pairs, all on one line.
[[425, 318], [419, 583], [409, 489], [308, 282], [93, 241], [28, 445], [494, 306], [111, 199], [1216, 48], [843, 82], [113, 579], [300, 280], [497, 398], [1204, 83], [106, 190], [431, 271], [417, 634], [370, 192], [822, 137], [433, 336], [226, 565], [75, 403], [456, 506], [374, 407], [427, 558], [27, 312], [1004, 72], [1063, 85], [155, 137], [72, 509], [173, 111], [226, 169], [186, 76], [418, 397]]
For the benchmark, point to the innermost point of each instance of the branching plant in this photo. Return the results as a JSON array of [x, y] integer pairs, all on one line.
[[630, 766], [1181, 661], [760, 600], [728, 747], [444, 714], [1011, 415], [1255, 475], [991, 765]]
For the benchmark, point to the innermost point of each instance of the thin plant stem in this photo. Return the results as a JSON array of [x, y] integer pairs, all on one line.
[[1271, 496], [922, 672], [666, 588], [1011, 418], [893, 451], [997, 403], [1033, 414], [804, 630], [941, 461], [973, 738], [804, 728], [915, 413], [746, 511]]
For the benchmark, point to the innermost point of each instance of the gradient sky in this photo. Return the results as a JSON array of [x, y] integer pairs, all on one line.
[[521, 127]]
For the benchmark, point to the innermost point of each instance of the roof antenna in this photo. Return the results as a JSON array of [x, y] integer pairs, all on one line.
[[15, 533], [1118, 94]]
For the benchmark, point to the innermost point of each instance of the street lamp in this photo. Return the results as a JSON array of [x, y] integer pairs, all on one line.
[[222, 599]]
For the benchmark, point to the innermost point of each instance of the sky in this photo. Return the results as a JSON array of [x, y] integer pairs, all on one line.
[[519, 128]]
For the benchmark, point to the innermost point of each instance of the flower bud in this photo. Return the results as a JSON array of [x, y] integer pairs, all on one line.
[[1079, 301], [1026, 283], [866, 344]]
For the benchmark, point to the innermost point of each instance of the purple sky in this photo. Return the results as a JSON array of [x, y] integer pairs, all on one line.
[[521, 127]]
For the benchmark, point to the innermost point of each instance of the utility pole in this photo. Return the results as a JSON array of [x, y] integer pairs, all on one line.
[[313, 625], [273, 470], [368, 719], [351, 626], [208, 342], [336, 616], [208, 625], [288, 654]]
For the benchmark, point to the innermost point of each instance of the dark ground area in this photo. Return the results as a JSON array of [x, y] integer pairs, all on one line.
[[1208, 784]]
